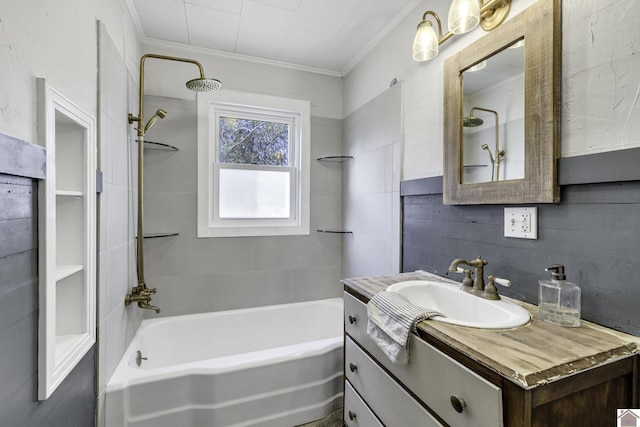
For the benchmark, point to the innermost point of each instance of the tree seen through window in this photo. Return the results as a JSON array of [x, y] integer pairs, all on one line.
[[257, 142]]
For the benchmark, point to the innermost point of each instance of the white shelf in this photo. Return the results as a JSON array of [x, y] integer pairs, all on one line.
[[67, 235], [64, 271], [69, 193]]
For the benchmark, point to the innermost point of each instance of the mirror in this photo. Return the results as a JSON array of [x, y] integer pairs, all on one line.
[[493, 117], [501, 123]]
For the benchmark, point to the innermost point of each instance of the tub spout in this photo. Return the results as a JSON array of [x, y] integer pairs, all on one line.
[[142, 295], [143, 304]]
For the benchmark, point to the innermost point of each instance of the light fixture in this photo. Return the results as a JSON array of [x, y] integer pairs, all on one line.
[[479, 66], [464, 16], [425, 43]]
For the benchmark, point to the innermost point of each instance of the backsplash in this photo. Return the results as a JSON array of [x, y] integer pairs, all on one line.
[[593, 231]]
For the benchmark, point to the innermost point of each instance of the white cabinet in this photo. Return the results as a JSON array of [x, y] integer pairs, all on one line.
[[67, 238], [438, 382]]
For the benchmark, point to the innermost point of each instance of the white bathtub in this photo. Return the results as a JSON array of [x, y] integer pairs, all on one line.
[[275, 366]]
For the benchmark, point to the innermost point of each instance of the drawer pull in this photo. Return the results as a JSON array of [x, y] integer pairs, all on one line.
[[458, 404], [352, 367], [352, 415], [352, 319]]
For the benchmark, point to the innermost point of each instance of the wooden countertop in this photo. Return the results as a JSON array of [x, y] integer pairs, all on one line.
[[530, 355]]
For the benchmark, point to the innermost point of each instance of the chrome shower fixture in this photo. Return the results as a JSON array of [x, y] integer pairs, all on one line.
[[160, 113], [140, 293], [472, 121]]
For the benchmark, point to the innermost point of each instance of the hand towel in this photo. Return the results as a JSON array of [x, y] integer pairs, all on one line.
[[391, 318]]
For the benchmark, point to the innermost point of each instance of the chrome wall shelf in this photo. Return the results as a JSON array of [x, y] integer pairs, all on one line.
[[151, 145], [159, 235], [334, 158]]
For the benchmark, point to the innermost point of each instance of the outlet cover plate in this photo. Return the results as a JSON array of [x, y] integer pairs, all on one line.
[[521, 223]]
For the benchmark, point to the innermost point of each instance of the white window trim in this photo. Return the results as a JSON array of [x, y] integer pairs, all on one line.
[[208, 102]]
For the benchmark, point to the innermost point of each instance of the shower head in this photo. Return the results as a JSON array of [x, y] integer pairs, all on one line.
[[471, 121], [204, 84], [160, 113]]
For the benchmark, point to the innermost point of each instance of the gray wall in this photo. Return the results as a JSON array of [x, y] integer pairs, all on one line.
[[594, 231], [195, 275], [72, 404]]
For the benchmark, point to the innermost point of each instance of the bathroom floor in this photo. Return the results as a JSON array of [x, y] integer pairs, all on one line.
[[332, 420]]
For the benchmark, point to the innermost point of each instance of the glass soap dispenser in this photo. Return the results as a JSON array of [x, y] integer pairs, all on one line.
[[559, 300]]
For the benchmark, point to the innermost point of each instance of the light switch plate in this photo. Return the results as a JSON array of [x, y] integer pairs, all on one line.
[[521, 223]]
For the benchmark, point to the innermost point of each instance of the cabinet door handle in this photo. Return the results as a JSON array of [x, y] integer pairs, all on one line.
[[458, 404], [352, 367], [352, 319], [352, 415]]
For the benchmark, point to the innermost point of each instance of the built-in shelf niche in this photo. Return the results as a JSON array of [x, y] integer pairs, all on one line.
[[67, 236]]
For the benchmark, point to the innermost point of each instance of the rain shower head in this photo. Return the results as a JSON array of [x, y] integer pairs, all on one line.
[[204, 84], [472, 122]]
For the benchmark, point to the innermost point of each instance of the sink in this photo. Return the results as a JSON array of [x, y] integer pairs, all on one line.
[[462, 308]]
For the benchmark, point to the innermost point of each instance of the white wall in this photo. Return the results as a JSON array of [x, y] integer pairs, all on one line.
[[601, 81], [58, 41]]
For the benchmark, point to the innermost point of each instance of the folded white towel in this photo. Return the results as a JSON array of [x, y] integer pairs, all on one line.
[[391, 319]]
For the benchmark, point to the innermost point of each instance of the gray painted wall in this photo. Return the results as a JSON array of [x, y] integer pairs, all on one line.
[[195, 275], [72, 404], [594, 231]]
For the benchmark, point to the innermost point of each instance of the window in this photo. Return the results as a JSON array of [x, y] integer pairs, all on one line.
[[253, 165]]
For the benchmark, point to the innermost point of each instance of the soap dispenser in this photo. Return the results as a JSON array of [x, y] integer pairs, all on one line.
[[559, 300]]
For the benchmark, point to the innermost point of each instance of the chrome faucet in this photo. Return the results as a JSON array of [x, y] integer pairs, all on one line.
[[477, 286], [142, 295], [478, 282]]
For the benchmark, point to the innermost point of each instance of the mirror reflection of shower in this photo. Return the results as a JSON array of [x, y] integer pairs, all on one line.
[[497, 155]]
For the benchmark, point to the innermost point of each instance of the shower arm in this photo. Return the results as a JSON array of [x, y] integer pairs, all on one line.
[[141, 132], [496, 162]]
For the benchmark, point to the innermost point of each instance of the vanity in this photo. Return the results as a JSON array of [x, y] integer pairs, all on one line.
[[536, 375]]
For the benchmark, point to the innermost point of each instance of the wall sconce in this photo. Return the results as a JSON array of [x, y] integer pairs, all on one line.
[[464, 16]]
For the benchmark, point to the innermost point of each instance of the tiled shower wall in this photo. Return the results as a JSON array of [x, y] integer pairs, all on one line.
[[195, 275], [371, 189]]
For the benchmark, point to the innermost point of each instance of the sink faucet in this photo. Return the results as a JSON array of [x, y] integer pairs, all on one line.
[[142, 295], [478, 282]]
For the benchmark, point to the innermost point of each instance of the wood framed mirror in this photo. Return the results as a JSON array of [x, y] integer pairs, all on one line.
[[521, 165]]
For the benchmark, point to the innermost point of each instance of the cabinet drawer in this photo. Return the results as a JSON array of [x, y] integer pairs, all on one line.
[[433, 376], [390, 402], [356, 412]]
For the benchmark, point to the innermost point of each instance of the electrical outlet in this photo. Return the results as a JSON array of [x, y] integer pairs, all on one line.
[[521, 223]]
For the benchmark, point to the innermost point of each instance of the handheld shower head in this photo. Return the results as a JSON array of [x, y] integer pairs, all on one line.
[[203, 84], [160, 113]]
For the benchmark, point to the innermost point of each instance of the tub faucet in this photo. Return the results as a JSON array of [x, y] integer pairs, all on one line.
[[478, 282], [142, 295]]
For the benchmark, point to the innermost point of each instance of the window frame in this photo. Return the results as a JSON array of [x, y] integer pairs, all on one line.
[[262, 107]]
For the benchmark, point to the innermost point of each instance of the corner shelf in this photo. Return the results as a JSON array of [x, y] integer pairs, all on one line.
[[151, 145], [334, 158], [67, 238], [159, 235]]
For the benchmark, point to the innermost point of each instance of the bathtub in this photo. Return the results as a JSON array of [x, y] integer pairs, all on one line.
[[278, 366]]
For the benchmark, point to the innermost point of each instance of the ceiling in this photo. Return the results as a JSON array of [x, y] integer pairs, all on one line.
[[328, 36]]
